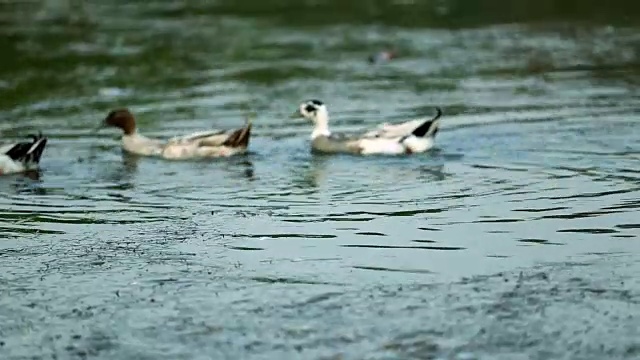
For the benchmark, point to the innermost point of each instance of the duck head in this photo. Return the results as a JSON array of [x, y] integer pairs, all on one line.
[[122, 119], [316, 111]]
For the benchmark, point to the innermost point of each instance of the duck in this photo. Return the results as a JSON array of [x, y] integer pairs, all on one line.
[[22, 156], [202, 144], [410, 137]]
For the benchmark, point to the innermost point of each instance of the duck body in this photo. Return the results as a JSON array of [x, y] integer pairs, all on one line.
[[339, 143], [213, 144], [22, 156], [414, 136], [203, 144]]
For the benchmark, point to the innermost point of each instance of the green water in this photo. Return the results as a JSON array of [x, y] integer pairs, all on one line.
[[285, 254]]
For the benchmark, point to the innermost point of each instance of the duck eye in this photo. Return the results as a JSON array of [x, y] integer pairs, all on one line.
[[310, 108]]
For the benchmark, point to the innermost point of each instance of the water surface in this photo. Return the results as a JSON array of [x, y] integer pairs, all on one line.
[[106, 254]]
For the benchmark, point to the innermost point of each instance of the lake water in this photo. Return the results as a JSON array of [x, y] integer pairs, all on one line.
[[285, 254]]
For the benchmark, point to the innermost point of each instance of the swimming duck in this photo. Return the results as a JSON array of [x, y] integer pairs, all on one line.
[[414, 136], [22, 156], [203, 144]]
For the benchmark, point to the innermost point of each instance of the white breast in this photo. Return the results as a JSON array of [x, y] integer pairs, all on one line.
[[141, 145]]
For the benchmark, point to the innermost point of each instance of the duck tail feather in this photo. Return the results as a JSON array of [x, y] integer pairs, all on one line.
[[239, 138], [429, 127], [29, 152]]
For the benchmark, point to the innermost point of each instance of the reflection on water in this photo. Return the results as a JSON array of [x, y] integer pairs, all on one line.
[[536, 162]]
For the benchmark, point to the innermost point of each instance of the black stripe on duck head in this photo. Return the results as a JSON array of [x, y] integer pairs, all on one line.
[[309, 108]]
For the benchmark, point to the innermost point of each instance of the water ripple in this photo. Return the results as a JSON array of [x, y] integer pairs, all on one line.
[[538, 147], [403, 247]]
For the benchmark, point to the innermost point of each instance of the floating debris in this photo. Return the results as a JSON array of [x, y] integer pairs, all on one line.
[[382, 56]]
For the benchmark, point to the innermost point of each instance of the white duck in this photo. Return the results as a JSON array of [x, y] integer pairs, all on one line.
[[203, 144], [414, 136], [22, 156]]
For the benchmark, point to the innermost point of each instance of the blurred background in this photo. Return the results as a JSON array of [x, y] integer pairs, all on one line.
[[516, 238], [63, 55]]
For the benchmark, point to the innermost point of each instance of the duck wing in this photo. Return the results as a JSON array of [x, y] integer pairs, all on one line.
[[211, 135], [387, 130], [418, 127], [212, 138]]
